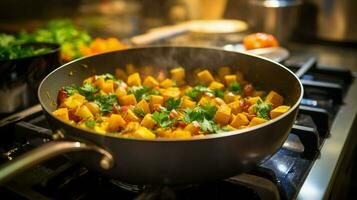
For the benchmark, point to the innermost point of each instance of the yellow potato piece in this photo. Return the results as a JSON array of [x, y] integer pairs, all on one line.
[[144, 106], [274, 98], [178, 73], [205, 77], [239, 120], [216, 85], [127, 100], [144, 133], [148, 122], [134, 80], [61, 113], [256, 121], [115, 122], [150, 82], [223, 115], [276, 112]]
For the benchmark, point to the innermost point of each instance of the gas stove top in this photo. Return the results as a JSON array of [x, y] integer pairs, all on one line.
[[304, 168]]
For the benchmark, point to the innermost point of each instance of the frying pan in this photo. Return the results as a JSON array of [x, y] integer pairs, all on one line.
[[166, 161]]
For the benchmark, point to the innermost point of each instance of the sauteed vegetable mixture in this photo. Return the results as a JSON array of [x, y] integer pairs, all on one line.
[[167, 107]]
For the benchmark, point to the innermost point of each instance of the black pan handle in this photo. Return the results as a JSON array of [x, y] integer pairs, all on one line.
[[50, 150]]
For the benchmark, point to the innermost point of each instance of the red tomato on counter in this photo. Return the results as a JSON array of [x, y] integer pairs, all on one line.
[[259, 40]]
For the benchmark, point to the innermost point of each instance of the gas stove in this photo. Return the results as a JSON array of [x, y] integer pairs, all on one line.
[[306, 167]]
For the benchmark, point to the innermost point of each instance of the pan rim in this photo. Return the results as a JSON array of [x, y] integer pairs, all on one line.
[[206, 137]]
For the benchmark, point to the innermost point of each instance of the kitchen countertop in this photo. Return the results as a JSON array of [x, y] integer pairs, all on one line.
[[330, 55]]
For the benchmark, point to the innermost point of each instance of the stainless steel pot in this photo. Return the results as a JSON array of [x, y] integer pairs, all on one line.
[[277, 17], [330, 19]]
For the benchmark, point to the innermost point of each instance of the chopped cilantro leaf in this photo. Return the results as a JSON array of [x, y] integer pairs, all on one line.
[[70, 90], [173, 103], [262, 109], [219, 93], [235, 87], [138, 91], [90, 123], [198, 90], [139, 112], [88, 90], [106, 102], [162, 118]]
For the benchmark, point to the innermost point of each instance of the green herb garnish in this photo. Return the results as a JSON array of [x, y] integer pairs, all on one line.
[[262, 109], [139, 112], [88, 90], [70, 90], [162, 118], [106, 102], [235, 87], [173, 103], [219, 93], [90, 123], [193, 94]]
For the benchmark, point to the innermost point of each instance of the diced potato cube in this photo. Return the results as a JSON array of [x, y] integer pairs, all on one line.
[[83, 112], [205, 100], [61, 113], [150, 82], [89, 80], [178, 73], [167, 83], [229, 97], [223, 115], [253, 100], [230, 128], [131, 117], [251, 110], [127, 100], [131, 69], [236, 107], [223, 71], [256, 121], [219, 102], [164, 133], [115, 122], [216, 85], [99, 82], [205, 77], [160, 76], [172, 92], [187, 103], [74, 102], [193, 128], [143, 105], [101, 127], [120, 92], [148, 122], [120, 74], [93, 107], [274, 98], [144, 133], [131, 127], [108, 86], [276, 112], [229, 79], [134, 80], [239, 120], [182, 134], [156, 100]]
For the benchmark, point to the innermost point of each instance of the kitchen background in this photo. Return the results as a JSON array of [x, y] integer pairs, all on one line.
[[323, 29]]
